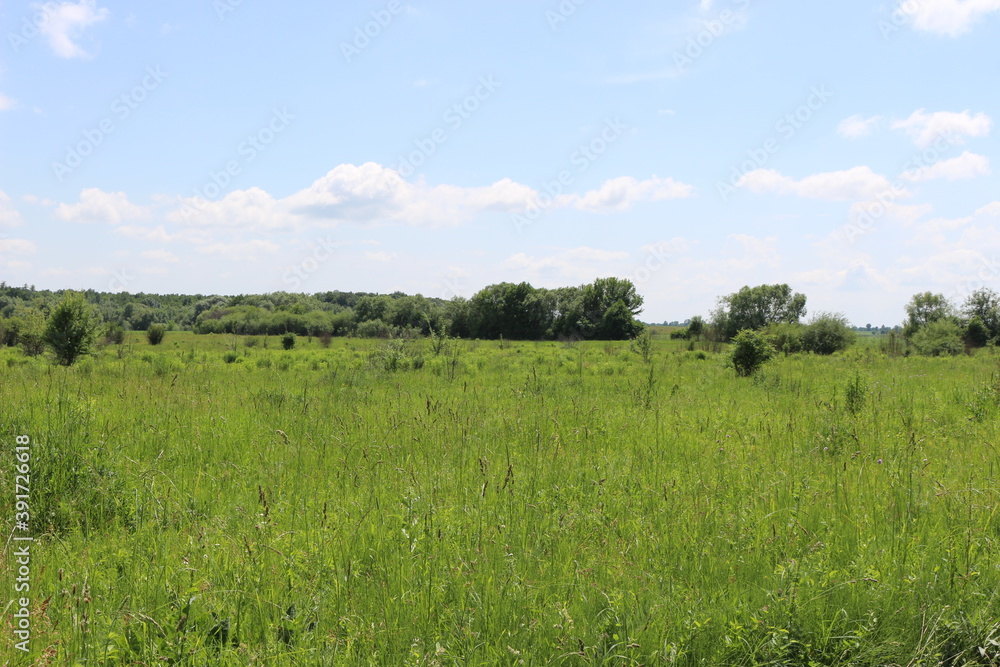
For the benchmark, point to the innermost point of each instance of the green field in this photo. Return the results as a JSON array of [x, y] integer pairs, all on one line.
[[386, 503]]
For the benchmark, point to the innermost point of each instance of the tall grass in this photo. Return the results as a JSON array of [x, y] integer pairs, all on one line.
[[516, 504]]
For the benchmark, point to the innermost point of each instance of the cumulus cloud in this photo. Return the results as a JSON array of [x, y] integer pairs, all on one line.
[[619, 194], [17, 246], [992, 208], [6, 103], [946, 17], [371, 194], [850, 184], [159, 255], [965, 166], [9, 216], [242, 251], [95, 205], [857, 126], [64, 22], [926, 128]]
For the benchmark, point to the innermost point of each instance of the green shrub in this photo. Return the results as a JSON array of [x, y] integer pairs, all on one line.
[[288, 341], [114, 334], [750, 350], [230, 357], [976, 333], [785, 337], [828, 333], [938, 339], [155, 333], [71, 329]]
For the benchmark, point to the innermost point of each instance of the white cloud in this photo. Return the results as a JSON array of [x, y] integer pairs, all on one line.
[[946, 17], [965, 166], [577, 264], [371, 194], [857, 126], [926, 128], [17, 246], [6, 103], [380, 256], [619, 194], [755, 252], [98, 206], [850, 184], [990, 209], [159, 255], [242, 251], [64, 22], [9, 216]]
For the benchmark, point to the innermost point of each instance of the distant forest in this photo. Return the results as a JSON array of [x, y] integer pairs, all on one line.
[[603, 310]]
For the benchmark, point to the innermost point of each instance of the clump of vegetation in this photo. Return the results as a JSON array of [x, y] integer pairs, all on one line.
[[750, 350], [644, 344], [230, 357], [828, 333], [114, 334], [855, 394], [71, 329], [155, 333], [939, 338], [288, 341]]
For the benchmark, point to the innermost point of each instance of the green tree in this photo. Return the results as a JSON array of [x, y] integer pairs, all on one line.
[[756, 307], [696, 327], [985, 304], [617, 323], [750, 350], [71, 329], [925, 308], [26, 328], [976, 333], [828, 333]]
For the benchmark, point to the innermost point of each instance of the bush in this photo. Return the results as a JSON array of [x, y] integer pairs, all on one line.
[[976, 333], [373, 329], [828, 333], [785, 337], [114, 334], [750, 350], [938, 339], [230, 357], [155, 333], [71, 329], [288, 341]]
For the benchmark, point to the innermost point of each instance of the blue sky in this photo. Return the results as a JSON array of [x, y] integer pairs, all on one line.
[[232, 146]]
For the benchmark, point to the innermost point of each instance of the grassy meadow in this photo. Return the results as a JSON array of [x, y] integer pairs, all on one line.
[[212, 501]]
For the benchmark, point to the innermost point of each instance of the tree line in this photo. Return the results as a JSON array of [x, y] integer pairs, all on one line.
[[602, 310]]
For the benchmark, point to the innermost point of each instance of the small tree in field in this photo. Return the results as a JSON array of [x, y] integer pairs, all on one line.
[[288, 341], [155, 333], [71, 329], [750, 351]]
